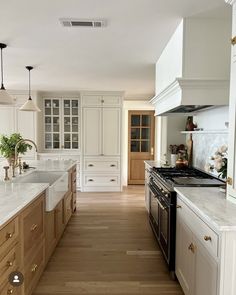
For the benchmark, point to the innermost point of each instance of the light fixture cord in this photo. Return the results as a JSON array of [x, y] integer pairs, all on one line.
[[1, 70], [29, 87]]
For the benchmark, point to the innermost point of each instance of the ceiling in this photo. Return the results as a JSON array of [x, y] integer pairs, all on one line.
[[120, 56]]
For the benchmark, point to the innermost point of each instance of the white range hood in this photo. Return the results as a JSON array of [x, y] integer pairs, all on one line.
[[191, 95]]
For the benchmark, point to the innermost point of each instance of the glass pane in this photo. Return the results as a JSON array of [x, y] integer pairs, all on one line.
[[48, 137], [74, 137], [75, 145], [56, 137], [67, 120], [56, 120], [47, 103], [66, 103], [56, 145], [48, 145], [74, 112], [67, 111], [67, 145], [75, 128], [145, 146], [145, 133], [135, 146], [55, 128], [75, 120], [135, 120], [146, 120], [55, 103], [66, 137], [135, 133], [48, 128], [55, 111], [48, 120], [75, 104], [66, 128], [47, 111]]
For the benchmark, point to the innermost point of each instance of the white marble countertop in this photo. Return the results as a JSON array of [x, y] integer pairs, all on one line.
[[211, 206], [52, 165], [16, 196], [154, 163]]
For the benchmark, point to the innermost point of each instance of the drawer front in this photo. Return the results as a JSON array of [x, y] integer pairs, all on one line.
[[101, 180], [8, 289], [9, 234], [102, 165], [67, 207], [34, 269], [201, 230], [33, 224], [92, 100], [109, 100], [9, 263]]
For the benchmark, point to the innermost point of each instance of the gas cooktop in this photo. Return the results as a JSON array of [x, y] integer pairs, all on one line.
[[186, 177]]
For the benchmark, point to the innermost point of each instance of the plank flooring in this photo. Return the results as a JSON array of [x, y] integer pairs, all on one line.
[[108, 248]]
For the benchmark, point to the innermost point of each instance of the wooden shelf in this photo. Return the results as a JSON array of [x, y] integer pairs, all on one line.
[[223, 131]]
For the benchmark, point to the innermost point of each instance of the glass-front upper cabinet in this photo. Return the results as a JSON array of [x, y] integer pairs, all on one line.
[[61, 124]]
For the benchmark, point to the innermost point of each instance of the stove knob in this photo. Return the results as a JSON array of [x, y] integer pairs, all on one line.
[[166, 195]]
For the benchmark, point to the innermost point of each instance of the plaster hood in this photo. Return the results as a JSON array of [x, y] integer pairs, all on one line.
[[191, 95]]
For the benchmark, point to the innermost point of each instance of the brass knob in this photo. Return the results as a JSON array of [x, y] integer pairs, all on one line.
[[207, 238], [178, 207], [233, 40], [191, 247], [9, 291], [229, 180], [9, 236], [9, 263], [33, 227], [34, 268]]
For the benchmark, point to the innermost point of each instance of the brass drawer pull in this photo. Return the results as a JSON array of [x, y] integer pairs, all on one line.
[[33, 227], [233, 41], [9, 236], [191, 247], [90, 179], [90, 165], [10, 291], [9, 263], [34, 268], [207, 238], [112, 180], [178, 207], [112, 165]]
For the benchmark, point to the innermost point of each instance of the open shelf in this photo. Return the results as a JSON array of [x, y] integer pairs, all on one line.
[[223, 131]]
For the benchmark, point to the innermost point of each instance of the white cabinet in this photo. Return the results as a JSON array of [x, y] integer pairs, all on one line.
[[231, 187], [101, 141], [196, 253]]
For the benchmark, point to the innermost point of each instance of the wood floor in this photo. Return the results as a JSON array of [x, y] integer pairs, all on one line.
[[108, 248]]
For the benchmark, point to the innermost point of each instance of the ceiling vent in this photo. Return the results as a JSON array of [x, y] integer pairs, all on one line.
[[67, 22]]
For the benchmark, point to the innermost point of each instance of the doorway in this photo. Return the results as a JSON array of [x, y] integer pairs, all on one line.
[[141, 132]]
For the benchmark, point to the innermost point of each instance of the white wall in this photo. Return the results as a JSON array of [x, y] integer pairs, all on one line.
[[128, 106], [205, 145]]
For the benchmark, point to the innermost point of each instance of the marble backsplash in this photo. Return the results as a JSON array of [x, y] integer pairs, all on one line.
[[204, 146]]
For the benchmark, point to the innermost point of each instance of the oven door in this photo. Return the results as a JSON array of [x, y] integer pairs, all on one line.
[[154, 212]]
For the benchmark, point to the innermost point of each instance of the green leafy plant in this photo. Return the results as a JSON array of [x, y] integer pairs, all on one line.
[[8, 143]]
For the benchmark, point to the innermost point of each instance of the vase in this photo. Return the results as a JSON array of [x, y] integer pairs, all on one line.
[[173, 159]]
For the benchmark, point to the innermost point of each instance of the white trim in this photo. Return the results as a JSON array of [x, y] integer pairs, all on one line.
[[231, 2]]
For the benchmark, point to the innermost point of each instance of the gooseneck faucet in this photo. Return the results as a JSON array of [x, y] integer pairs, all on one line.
[[19, 142]]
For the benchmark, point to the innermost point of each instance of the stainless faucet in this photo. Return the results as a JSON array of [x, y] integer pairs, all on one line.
[[17, 145]]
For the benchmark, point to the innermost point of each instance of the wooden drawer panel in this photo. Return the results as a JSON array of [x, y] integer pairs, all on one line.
[[33, 224], [9, 263], [60, 222], [201, 230], [101, 165], [34, 269], [67, 207], [8, 289], [9, 234], [101, 180]]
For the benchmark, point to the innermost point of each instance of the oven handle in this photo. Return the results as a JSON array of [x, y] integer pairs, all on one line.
[[160, 204]]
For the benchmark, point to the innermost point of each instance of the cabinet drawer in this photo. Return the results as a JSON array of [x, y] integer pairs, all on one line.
[[33, 224], [9, 234], [92, 100], [8, 289], [34, 269], [102, 165], [201, 230], [101, 180], [67, 207], [9, 263]]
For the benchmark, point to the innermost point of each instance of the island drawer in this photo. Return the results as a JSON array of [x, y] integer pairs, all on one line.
[[208, 237], [9, 235]]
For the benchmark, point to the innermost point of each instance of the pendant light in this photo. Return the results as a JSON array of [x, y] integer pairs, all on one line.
[[5, 98], [29, 105]]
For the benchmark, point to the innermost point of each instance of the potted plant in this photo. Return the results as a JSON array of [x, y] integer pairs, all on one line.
[[8, 143]]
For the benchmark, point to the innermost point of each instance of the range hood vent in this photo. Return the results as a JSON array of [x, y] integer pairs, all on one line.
[[186, 96], [68, 22]]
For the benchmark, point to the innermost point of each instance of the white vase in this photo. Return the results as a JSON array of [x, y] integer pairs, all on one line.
[[173, 159]]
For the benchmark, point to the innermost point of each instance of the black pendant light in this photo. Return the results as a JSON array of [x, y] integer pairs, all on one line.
[[5, 98], [29, 105]]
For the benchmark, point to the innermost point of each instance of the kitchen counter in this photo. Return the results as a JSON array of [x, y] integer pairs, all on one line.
[[154, 163], [16, 196], [211, 205], [52, 165]]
